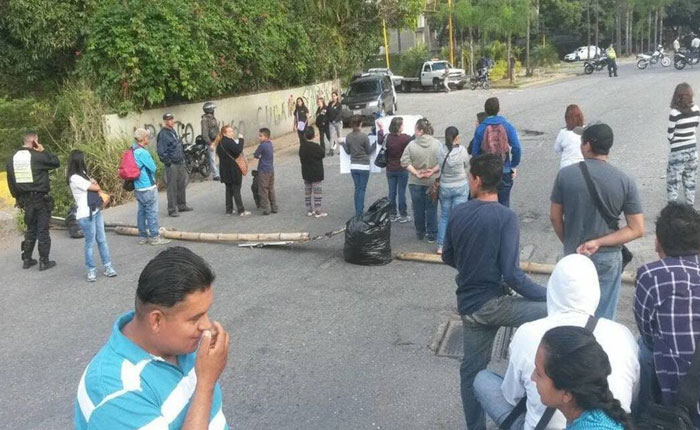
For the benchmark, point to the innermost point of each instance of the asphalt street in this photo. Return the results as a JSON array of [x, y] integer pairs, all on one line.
[[317, 343]]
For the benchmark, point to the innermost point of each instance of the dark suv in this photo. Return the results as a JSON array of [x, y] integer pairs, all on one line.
[[368, 96]]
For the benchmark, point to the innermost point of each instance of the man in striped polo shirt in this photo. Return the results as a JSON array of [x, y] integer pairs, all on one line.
[[160, 367]]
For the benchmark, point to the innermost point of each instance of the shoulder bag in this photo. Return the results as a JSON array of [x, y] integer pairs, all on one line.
[[521, 407], [610, 220], [680, 415], [240, 161], [382, 160], [434, 190]]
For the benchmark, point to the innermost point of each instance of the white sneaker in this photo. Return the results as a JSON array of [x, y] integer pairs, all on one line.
[[158, 240], [143, 241], [244, 213], [405, 219], [310, 213], [320, 214]]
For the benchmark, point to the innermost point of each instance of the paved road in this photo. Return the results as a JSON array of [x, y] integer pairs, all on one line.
[[318, 343]]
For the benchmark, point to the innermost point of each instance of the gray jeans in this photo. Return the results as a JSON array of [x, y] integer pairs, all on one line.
[[212, 161], [479, 332], [336, 131], [176, 183]]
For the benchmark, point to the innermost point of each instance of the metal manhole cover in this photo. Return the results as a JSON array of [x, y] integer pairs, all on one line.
[[450, 342]]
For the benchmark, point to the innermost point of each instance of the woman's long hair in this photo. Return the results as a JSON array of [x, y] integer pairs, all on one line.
[[573, 117], [76, 165], [451, 134], [395, 125], [682, 98], [219, 136], [576, 363], [296, 103]]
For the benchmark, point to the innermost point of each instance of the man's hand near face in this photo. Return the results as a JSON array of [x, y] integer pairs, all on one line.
[[210, 363]]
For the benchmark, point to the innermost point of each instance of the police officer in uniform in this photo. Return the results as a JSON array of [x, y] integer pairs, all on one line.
[[210, 129], [28, 180]]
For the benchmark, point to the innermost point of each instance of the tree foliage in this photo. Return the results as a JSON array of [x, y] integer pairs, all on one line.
[[142, 53]]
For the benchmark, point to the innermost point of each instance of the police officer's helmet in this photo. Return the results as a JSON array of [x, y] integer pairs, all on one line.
[[209, 107]]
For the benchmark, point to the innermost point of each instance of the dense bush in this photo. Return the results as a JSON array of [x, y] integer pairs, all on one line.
[[544, 56], [413, 59]]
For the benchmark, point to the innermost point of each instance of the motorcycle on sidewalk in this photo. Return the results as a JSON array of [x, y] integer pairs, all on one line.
[[196, 156]]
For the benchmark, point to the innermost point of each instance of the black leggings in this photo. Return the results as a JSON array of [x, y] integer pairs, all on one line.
[[233, 192]]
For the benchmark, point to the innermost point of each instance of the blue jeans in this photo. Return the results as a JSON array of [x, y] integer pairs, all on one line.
[[360, 179], [649, 392], [212, 161], [424, 211], [487, 388], [504, 189], [609, 267], [449, 198], [397, 188], [147, 215], [94, 231], [480, 330]]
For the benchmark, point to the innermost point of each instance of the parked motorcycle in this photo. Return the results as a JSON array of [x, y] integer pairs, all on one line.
[[596, 64], [684, 58], [196, 156], [482, 79], [643, 60]]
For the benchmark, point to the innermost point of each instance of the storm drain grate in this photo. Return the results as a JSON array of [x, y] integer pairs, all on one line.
[[449, 341]]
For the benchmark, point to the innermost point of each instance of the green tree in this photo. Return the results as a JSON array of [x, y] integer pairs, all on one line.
[[400, 14]]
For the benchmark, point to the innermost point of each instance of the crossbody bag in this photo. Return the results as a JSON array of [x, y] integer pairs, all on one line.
[[240, 161], [434, 190], [610, 220], [521, 407]]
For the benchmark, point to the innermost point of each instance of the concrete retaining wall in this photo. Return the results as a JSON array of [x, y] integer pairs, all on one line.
[[247, 114]]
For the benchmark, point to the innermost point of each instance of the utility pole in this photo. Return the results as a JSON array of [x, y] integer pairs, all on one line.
[[452, 47], [386, 44]]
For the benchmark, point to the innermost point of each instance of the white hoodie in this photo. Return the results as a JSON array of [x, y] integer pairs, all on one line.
[[573, 294]]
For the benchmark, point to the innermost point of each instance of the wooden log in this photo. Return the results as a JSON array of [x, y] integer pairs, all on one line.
[[526, 266], [221, 237]]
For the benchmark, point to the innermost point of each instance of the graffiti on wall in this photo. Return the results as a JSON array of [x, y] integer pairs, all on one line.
[[276, 112]]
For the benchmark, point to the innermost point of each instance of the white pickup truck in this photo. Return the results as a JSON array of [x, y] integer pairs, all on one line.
[[432, 74]]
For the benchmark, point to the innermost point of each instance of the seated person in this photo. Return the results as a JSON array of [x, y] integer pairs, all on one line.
[[572, 296], [161, 365], [571, 374], [667, 299]]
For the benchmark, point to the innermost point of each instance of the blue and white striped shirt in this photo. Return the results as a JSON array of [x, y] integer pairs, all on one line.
[[126, 388]]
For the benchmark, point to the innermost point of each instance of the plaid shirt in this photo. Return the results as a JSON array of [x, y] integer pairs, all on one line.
[[667, 310]]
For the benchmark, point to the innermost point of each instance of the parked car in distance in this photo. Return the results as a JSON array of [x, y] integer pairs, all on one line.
[[583, 53], [432, 74], [383, 71], [367, 96]]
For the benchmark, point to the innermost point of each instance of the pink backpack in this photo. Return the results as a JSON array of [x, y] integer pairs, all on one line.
[[495, 140], [128, 169]]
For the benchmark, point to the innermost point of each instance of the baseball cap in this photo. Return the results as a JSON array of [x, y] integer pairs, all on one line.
[[598, 134], [141, 133], [167, 116]]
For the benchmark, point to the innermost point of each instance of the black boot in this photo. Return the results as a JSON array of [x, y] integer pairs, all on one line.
[[27, 260], [45, 263]]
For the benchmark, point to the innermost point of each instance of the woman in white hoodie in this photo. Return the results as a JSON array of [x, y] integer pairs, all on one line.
[[573, 294]]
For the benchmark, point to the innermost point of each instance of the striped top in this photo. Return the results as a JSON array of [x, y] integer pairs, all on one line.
[[126, 388], [681, 128]]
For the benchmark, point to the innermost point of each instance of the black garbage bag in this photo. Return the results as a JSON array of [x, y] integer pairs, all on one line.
[[368, 236], [72, 225]]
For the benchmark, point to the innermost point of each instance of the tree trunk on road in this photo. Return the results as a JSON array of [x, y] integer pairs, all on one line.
[[656, 28], [511, 78], [588, 29], [597, 25], [618, 27]]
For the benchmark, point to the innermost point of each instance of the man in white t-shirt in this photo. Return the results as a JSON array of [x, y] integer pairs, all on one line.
[[572, 296]]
